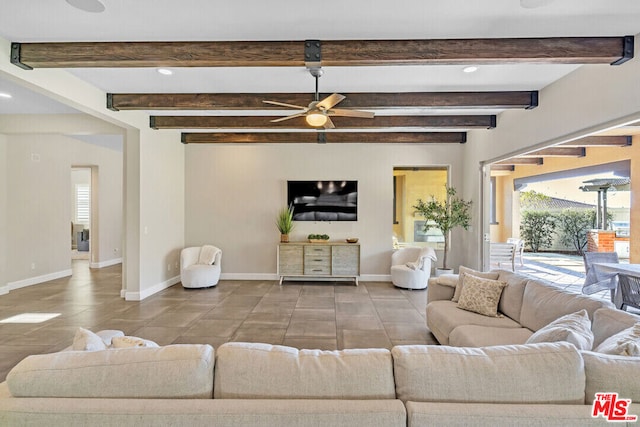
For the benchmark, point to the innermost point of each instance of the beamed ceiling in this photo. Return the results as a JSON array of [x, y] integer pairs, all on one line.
[[401, 61], [393, 126]]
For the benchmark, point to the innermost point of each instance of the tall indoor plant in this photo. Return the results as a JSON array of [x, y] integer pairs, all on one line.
[[445, 215], [284, 222]]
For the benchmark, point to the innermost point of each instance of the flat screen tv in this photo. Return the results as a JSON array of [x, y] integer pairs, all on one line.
[[323, 200]]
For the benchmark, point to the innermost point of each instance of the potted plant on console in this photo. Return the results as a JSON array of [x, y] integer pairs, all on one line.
[[284, 222], [445, 215]]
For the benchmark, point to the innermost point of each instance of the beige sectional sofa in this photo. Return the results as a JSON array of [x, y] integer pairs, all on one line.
[[245, 384], [525, 306]]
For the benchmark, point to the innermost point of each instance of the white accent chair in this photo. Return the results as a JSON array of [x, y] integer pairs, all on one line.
[[411, 267], [197, 270], [519, 248]]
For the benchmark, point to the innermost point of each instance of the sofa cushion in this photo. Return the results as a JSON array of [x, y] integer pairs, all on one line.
[[492, 415], [534, 373], [444, 316], [480, 295], [512, 294], [484, 336], [543, 303], [264, 371], [609, 373], [174, 371], [493, 275], [624, 343], [609, 321], [574, 328]]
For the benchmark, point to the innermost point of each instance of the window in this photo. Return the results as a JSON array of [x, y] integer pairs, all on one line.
[[83, 204]]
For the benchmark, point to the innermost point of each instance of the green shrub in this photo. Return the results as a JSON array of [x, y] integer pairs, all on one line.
[[537, 228]]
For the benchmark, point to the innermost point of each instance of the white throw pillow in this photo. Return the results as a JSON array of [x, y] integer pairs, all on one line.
[[128, 342], [85, 340], [574, 328], [207, 255], [624, 343]]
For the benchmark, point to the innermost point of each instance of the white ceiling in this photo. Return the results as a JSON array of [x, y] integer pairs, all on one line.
[[168, 20]]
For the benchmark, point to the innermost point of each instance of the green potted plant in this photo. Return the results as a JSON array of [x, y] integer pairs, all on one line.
[[284, 222], [445, 215]]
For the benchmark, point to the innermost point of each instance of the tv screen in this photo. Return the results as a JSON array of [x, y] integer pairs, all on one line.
[[323, 200]]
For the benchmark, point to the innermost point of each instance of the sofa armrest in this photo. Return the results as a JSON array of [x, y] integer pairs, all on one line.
[[437, 291]]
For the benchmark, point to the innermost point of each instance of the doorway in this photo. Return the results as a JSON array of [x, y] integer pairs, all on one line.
[[83, 212], [409, 185]]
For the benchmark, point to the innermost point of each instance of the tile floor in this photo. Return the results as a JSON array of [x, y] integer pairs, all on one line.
[[299, 314]]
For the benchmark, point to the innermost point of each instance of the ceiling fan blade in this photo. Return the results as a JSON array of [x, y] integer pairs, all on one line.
[[292, 116], [330, 101], [329, 124], [351, 113], [282, 104]]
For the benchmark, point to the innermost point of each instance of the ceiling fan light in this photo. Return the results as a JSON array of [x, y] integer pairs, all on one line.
[[316, 119]]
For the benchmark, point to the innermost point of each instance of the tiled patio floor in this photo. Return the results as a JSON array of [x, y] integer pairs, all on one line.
[[567, 271]]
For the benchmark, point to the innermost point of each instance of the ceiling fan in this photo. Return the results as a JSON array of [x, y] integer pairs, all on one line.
[[318, 112]]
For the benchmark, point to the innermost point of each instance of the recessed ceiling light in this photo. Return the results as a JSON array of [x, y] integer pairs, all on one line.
[[93, 6], [5, 95], [471, 69], [165, 71], [532, 4]]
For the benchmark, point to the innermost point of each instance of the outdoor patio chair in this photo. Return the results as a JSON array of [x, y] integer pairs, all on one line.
[[630, 290], [519, 243], [596, 282], [501, 253]]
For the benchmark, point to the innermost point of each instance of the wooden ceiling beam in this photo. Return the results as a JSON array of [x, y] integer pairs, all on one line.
[[600, 141], [558, 50], [342, 123], [557, 152], [507, 168], [324, 137], [384, 100], [520, 161]]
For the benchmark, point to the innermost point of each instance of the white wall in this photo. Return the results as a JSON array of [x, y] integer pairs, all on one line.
[[234, 192], [592, 98], [3, 215], [39, 204]]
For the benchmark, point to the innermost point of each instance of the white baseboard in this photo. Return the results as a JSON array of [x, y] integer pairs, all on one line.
[[139, 296], [375, 278], [249, 276], [38, 279], [107, 263], [4, 290]]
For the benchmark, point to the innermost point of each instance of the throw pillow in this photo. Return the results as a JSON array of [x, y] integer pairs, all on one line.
[[128, 342], [480, 295], [624, 343], [493, 275], [85, 340], [450, 280], [574, 328]]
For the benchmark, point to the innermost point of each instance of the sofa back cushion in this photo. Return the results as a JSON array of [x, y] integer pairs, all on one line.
[[543, 303], [264, 371], [607, 373], [172, 372], [511, 299], [535, 373], [609, 321]]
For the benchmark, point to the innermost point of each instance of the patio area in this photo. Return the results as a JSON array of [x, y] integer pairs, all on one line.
[[567, 271]]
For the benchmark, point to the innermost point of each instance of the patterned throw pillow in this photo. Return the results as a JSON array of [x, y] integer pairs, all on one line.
[[480, 295], [574, 328], [624, 343], [130, 342], [493, 275]]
